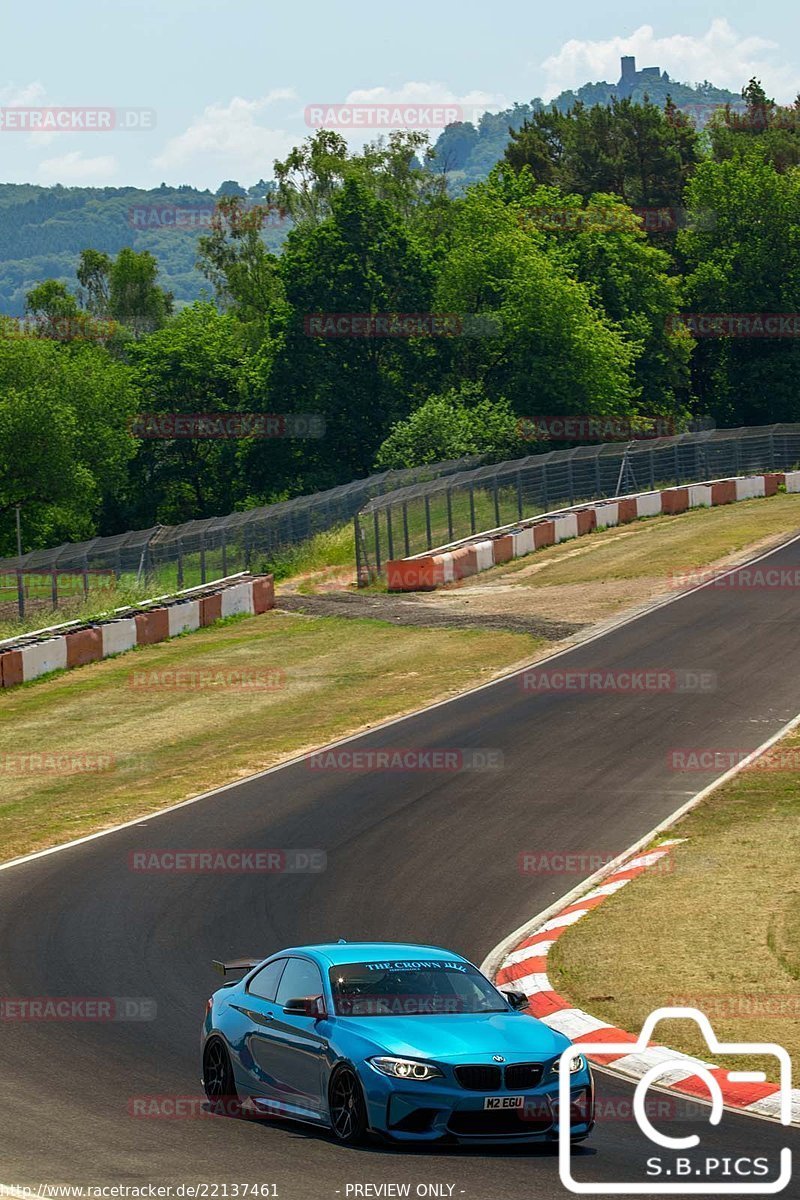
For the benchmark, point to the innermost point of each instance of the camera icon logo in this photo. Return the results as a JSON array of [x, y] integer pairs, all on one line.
[[710, 1186]]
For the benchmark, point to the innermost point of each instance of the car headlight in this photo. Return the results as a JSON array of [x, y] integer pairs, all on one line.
[[578, 1063], [406, 1068]]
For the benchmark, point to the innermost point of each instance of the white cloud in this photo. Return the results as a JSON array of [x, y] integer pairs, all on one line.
[[228, 141], [29, 94], [73, 168], [721, 55], [472, 104]]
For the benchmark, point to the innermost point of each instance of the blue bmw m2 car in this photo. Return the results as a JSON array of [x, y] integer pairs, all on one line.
[[408, 1042]]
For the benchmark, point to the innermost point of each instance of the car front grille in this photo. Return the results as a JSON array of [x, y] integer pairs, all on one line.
[[480, 1078], [518, 1077], [521, 1076]]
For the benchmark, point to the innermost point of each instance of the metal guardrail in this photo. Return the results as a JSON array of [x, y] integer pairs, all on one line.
[[429, 515]]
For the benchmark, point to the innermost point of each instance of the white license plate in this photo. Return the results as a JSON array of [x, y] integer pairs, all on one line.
[[493, 1102]]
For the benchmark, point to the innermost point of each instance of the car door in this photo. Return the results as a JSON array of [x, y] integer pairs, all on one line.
[[297, 1045], [259, 1007]]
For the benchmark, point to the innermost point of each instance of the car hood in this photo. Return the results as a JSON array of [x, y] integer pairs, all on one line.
[[466, 1036]]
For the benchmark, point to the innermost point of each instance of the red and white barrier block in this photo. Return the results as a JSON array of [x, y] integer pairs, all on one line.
[[34, 656], [525, 970], [425, 572]]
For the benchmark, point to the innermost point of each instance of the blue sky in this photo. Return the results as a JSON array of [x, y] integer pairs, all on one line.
[[229, 82]]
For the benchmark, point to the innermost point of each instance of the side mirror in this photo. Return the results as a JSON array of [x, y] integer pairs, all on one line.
[[516, 1000], [306, 1006]]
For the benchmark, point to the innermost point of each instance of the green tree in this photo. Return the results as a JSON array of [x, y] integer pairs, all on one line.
[[547, 348], [361, 260], [65, 441], [94, 270], [460, 422], [764, 130], [637, 151], [134, 297], [196, 364], [235, 258], [747, 262], [602, 243]]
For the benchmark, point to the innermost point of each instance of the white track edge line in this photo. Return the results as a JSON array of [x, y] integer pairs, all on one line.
[[494, 957], [491, 964]]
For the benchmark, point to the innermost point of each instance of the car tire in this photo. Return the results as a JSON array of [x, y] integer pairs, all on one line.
[[219, 1083], [347, 1107]]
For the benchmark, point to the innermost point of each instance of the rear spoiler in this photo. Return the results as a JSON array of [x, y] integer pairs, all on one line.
[[235, 964]]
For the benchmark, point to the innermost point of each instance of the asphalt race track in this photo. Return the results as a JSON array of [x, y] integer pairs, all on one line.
[[412, 855]]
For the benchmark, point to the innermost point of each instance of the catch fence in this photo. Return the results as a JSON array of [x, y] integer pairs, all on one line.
[[431, 514], [173, 557]]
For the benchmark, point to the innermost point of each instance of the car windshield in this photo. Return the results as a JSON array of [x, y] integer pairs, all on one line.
[[412, 988]]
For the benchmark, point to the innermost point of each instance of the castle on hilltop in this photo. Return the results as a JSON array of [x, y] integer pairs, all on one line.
[[631, 78]]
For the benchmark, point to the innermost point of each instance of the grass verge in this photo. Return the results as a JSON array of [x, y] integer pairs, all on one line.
[[319, 678], [719, 932], [666, 546]]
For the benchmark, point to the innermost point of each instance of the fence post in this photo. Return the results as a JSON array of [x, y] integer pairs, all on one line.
[[428, 521], [357, 535], [54, 587], [677, 464], [496, 501], [570, 482], [85, 577], [377, 528], [472, 508], [203, 556], [519, 495], [449, 513], [405, 528], [544, 487], [389, 534], [20, 593], [180, 564], [224, 554]]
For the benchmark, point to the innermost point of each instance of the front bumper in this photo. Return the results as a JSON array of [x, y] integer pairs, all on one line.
[[406, 1111]]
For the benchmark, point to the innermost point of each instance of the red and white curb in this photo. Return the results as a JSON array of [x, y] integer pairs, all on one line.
[[525, 969]]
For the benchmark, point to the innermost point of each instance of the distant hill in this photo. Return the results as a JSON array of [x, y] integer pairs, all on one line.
[[44, 229], [468, 152]]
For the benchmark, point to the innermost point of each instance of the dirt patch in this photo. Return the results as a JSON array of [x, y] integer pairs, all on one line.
[[401, 611]]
